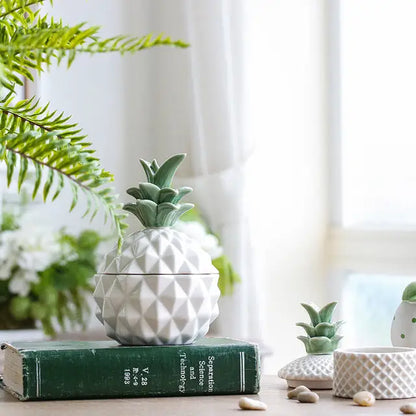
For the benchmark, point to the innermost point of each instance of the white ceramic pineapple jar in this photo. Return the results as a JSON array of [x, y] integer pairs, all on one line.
[[161, 287], [403, 327]]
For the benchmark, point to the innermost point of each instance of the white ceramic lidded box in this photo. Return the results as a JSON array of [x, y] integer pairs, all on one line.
[[161, 286], [387, 372]]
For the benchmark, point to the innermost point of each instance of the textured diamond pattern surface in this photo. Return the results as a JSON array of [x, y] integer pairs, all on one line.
[[158, 251], [160, 289], [310, 367], [386, 375], [156, 309]]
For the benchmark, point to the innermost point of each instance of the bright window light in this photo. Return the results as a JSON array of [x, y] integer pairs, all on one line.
[[378, 113], [369, 302]]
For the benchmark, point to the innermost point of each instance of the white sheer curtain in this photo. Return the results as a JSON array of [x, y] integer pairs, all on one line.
[[169, 100], [193, 103]]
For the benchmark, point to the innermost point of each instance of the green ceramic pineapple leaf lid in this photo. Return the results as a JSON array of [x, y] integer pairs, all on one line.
[[409, 293], [157, 203], [321, 332]]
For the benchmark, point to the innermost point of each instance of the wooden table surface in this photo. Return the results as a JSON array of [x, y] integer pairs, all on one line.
[[273, 392]]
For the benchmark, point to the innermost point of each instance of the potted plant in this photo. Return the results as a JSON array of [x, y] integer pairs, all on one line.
[[161, 287]]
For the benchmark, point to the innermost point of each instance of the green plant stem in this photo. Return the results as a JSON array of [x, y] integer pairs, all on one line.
[[32, 3], [27, 120]]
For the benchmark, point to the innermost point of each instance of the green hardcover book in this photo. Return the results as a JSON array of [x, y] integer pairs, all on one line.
[[105, 369]]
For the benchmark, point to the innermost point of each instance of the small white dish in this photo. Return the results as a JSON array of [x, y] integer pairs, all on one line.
[[387, 372]]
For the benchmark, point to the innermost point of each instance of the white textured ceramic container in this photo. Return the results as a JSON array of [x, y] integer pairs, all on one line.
[[161, 289], [387, 372], [312, 371], [403, 327]]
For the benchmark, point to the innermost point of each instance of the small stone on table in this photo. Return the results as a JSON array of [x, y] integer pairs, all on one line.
[[308, 397], [364, 398], [246, 403], [293, 394], [408, 409]]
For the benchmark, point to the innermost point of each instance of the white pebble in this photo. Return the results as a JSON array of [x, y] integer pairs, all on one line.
[[293, 394], [250, 404], [408, 409], [364, 398], [308, 397]]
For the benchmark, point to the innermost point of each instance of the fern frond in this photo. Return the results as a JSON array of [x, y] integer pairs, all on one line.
[[29, 115], [57, 161], [32, 50], [23, 49], [130, 44]]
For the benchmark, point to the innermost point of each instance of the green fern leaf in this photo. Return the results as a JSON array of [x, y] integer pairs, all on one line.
[[48, 184], [60, 186], [39, 43], [22, 173], [11, 163]]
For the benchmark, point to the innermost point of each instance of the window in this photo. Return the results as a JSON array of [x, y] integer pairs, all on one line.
[[369, 303], [374, 238], [378, 123]]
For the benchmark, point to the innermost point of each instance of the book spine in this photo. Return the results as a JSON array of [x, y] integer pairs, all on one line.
[[140, 372]]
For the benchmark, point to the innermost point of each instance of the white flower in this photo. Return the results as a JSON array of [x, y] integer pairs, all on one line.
[[192, 229], [212, 246], [21, 281], [8, 254], [196, 231], [34, 260], [67, 253], [38, 248]]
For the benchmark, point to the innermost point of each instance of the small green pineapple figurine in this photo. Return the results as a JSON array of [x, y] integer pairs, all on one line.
[[321, 333], [316, 369]]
